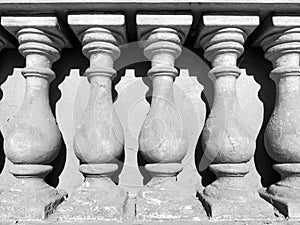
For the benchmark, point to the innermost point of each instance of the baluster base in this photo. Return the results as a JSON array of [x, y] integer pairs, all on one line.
[[230, 198], [285, 194], [31, 198], [288, 207], [98, 198], [164, 199]]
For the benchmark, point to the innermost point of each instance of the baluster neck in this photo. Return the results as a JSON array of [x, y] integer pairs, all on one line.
[[37, 87], [162, 91]]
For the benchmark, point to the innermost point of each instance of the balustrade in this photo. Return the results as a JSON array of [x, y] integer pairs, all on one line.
[[32, 139]]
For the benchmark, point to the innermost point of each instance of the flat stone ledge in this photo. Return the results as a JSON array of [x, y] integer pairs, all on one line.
[[18, 6]]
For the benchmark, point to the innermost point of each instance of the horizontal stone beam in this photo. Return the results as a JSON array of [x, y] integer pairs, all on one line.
[[196, 6]]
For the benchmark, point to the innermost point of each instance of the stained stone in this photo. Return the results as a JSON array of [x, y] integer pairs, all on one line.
[[280, 40], [20, 203], [166, 200], [31, 198], [163, 198], [99, 138], [98, 145], [285, 194], [232, 198], [162, 140], [32, 139], [226, 137], [96, 199]]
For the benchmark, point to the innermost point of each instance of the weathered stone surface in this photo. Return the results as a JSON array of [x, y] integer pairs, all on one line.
[[163, 199], [34, 6], [32, 138], [289, 192], [209, 222], [281, 42], [21, 203], [231, 198], [285, 194], [99, 139], [227, 140], [286, 205], [31, 198], [149, 22], [96, 199], [162, 139]]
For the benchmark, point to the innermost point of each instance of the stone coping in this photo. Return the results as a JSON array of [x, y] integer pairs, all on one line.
[[53, 6]]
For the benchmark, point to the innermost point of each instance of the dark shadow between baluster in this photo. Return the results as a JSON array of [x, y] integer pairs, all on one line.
[[208, 176], [255, 63], [62, 69], [121, 159], [141, 70]]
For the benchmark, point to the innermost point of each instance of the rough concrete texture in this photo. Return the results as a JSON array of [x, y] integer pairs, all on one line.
[[278, 222], [96, 199], [285, 194], [236, 204], [163, 199], [230, 197], [287, 206], [29, 204]]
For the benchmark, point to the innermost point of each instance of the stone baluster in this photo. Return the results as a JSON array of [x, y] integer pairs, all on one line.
[[32, 139], [226, 138], [162, 142], [98, 140], [281, 42]]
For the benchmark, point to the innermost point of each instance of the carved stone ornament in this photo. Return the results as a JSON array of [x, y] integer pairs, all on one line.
[[281, 42], [226, 138], [162, 141], [32, 139], [98, 140]]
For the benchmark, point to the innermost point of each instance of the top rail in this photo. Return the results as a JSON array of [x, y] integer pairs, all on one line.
[[51, 6]]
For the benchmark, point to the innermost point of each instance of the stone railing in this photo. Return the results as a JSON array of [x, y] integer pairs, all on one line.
[[33, 140]]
